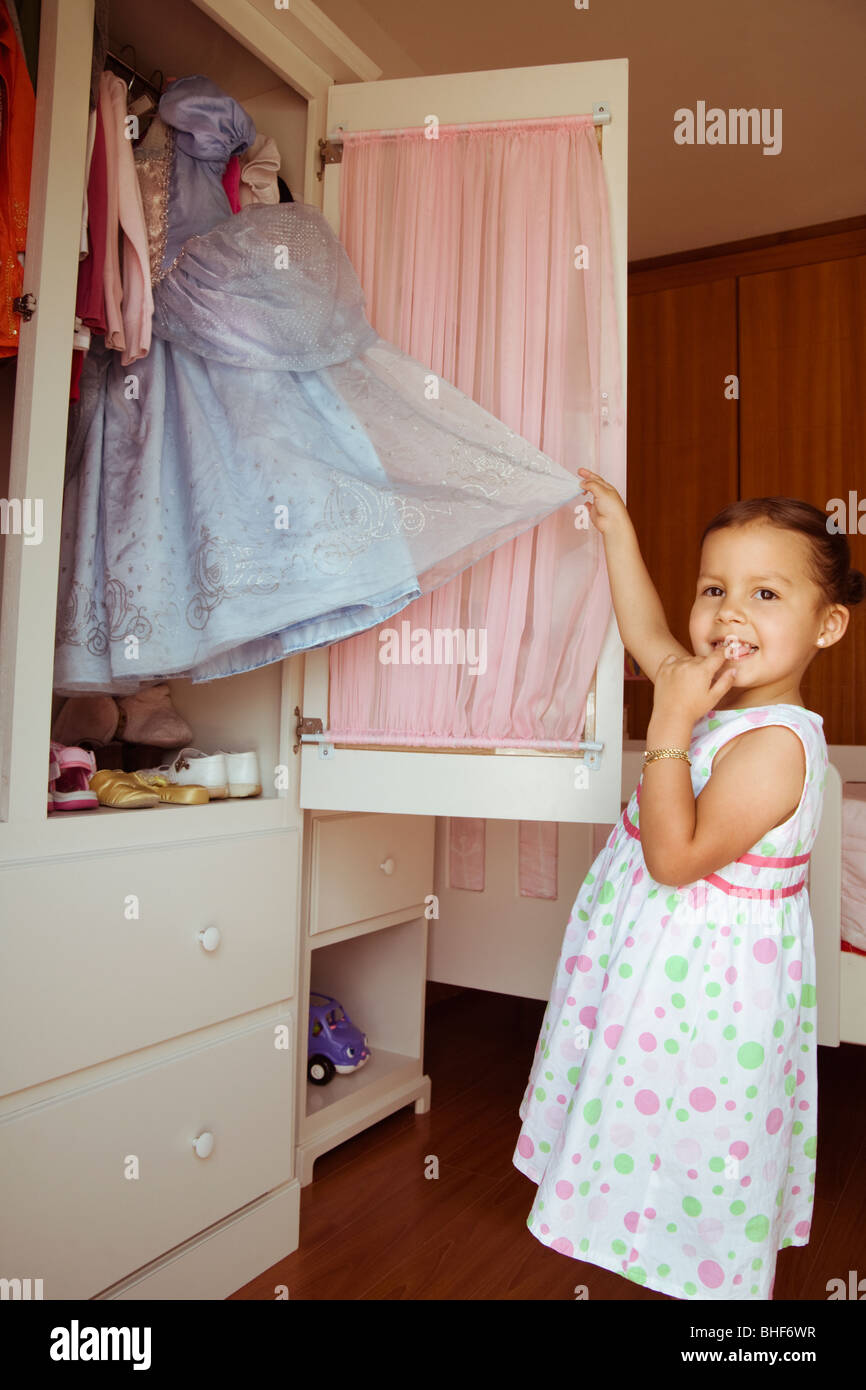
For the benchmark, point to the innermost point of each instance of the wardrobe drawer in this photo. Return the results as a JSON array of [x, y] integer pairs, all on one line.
[[101, 1182], [100, 956], [349, 883]]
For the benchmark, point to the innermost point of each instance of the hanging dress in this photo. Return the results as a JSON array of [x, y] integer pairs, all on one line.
[[273, 476], [670, 1119]]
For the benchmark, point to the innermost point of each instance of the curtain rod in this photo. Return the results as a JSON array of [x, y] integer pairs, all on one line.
[[331, 150], [601, 115]]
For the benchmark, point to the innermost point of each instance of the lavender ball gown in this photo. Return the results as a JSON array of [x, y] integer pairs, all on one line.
[[271, 477]]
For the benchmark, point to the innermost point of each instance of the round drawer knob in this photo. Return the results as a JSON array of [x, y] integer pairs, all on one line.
[[209, 937], [203, 1145], [388, 867]]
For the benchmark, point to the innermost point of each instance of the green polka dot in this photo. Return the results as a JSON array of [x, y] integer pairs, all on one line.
[[573, 1075], [737, 1208], [810, 1148], [691, 1206], [636, 1274], [676, 968], [808, 997], [750, 1055], [618, 1247], [758, 1228], [591, 1111], [623, 1163], [606, 892]]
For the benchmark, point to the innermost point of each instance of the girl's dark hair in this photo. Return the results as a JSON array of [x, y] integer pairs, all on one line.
[[830, 553]]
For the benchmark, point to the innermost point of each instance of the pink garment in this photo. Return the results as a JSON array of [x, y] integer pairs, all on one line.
[[90, 296], [466, 853], [260, 165], [128, 299], [538, 858], [231, 182]]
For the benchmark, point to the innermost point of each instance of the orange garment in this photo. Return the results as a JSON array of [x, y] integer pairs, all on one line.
[[16, 151]]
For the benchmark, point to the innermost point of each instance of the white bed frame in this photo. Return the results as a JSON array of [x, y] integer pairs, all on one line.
[[841, 975]]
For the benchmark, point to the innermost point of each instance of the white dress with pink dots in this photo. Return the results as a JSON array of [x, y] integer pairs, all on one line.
[[670, 1120]]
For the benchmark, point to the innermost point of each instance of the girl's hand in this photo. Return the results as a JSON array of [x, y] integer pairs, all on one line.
[[687, 687], [608, 508]]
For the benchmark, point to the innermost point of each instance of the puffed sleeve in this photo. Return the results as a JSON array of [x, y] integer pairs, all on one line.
[[208, 124]]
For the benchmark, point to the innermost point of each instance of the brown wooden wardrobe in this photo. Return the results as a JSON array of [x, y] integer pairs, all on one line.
[[785, 314]]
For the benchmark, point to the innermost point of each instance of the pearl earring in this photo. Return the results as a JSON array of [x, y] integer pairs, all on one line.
[[820, 641]]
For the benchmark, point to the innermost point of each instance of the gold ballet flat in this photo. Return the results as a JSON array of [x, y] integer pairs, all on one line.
[[172, 793], [116, 788]]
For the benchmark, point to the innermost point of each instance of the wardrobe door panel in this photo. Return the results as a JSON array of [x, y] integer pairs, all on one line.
[[682, 444], [803, 377], [41, 403], [506, 784]]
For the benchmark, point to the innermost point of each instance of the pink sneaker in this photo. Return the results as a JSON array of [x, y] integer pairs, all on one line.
[[69, 774]]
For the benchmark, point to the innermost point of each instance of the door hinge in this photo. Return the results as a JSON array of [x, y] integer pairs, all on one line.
[[330, 152], [311, 729], [24, 305]]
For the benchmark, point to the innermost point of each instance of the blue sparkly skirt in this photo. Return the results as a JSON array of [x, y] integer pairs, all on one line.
[[273, 476]]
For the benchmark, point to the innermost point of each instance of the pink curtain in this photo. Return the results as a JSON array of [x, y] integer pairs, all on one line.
[[485, 254]]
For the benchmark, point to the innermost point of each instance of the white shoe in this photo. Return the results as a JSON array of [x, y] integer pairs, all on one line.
[[243, 774], [191, 767]]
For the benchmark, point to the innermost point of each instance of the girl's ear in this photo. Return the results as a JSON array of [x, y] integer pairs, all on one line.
[[834, 624]]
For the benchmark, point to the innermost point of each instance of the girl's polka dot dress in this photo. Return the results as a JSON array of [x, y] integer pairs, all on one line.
[[670, 1120]]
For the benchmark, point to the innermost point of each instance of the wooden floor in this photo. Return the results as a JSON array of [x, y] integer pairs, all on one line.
[[374, 1227]]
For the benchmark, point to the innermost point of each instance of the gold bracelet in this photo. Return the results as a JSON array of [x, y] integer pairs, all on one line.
[[652, 754]]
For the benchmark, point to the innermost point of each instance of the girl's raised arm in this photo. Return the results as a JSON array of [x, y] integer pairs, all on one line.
[[640, 616]]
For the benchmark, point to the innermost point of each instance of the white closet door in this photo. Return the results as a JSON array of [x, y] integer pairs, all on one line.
[[508, 785]]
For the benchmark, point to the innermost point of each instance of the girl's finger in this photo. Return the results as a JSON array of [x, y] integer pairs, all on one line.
[[718, 656]]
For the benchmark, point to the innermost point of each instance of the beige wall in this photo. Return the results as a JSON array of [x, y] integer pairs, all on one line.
[[802, 56]]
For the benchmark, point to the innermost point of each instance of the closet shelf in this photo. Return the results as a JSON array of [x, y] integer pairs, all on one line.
[[111, 828]]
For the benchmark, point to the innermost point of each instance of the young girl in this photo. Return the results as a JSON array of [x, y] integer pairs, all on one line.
[[670, 1120]]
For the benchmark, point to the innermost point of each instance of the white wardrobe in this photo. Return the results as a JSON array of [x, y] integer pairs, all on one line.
[[156, 1122]]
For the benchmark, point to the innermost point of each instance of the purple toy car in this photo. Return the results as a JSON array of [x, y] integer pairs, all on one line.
[[334, 1043]]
